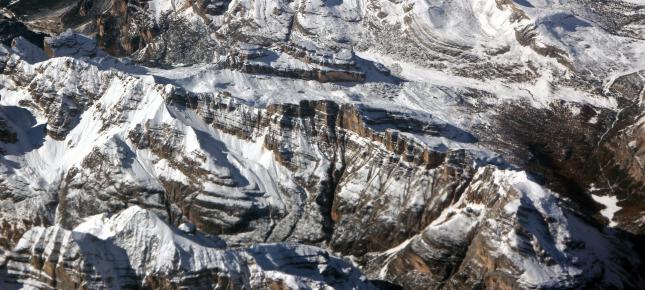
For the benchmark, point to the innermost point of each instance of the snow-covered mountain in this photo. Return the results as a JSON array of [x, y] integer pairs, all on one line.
[[135, 244], [203, 144]]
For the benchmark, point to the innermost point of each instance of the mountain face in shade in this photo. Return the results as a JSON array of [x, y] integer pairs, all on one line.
[[341, 144]]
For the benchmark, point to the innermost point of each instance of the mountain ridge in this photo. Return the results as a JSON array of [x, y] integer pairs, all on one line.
[[457, 144]]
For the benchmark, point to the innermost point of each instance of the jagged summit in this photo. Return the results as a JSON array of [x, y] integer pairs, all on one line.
[[135, 248]]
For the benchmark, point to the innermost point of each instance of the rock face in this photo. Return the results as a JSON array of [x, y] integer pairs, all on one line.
[[135, 249], [11, 28], [518, 227], [236, 145]]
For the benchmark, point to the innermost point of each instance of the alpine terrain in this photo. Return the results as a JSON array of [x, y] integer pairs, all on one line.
[[322, 144]]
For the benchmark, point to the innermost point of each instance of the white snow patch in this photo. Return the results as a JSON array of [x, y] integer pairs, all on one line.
[[611, 206]]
